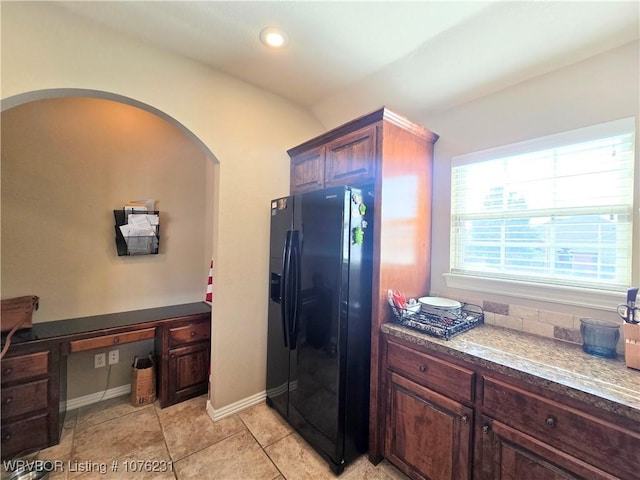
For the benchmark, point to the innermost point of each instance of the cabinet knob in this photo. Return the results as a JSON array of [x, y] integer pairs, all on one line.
[[485, 429], [116, 340], [6, 438], [464, 419], [193, 334], [7, 401], [7, 371], [173, 355], [422, 368], [550, 421]]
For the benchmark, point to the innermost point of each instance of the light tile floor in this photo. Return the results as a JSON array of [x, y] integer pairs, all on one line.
[[253, 444]]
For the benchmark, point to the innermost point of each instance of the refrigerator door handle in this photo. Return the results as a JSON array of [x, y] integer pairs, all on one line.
[[296, 277], [286, 280]]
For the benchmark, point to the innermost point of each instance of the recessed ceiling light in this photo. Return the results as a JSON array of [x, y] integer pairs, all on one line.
[[274, 37]]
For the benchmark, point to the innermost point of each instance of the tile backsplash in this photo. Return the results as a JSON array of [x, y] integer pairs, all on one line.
[[545, 323]]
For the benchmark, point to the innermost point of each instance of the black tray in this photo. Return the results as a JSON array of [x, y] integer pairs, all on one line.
[[442, 325]]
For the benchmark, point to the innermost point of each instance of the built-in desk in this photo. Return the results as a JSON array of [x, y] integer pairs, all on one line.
[[34, 371]]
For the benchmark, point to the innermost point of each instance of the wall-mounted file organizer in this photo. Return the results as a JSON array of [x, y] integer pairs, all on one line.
[[137, 233]]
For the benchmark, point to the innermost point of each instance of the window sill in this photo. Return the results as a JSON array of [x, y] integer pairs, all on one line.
[[565, 295]]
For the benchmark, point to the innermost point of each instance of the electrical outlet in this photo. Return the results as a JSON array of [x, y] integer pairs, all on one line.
[[99, 360], [114, 356]]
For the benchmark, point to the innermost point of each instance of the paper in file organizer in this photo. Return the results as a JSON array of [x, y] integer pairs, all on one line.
[[141, 232]]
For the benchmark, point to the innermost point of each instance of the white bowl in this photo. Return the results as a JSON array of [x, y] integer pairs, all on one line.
[[439, 305]]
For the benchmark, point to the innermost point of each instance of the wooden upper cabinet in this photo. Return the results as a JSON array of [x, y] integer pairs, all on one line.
[[359, 153], [351, 160], [347, 160], [307, 171]]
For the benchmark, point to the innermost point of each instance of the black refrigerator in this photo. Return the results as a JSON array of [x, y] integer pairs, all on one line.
[[319, 329]]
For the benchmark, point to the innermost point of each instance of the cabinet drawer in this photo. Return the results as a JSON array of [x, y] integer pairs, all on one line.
[[111, 340], [431, 372], [24, 367], [591, 439], [189, 333], [28, 397], [29, 434]]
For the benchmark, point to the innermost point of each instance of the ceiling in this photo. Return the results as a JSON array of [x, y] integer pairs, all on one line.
[[417, 57]]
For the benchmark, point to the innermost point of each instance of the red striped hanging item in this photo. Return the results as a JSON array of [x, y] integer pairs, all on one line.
[[209, 296]]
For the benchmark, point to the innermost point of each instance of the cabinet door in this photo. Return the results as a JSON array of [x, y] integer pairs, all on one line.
[[427, 434], [307, 171], [508, 454], [351, 159], [188, 372]]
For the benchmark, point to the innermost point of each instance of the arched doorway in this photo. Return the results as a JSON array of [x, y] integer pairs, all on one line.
[[71, 157]]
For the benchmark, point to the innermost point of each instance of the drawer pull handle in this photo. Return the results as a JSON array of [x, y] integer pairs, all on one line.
[[485, 429], [7, 371], [193, 334], [464, 419], [422, 368], [116, 340], [550, 421]]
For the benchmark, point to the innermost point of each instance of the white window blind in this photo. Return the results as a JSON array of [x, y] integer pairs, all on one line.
[[554, 210]]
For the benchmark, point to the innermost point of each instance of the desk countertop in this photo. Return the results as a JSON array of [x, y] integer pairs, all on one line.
[[75, 326], [553, 364]]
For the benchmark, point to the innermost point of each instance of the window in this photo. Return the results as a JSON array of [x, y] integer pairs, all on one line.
[[556, 210]]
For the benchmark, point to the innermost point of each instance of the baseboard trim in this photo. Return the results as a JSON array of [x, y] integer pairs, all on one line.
[[215, 414], [220, 413], [98, 397]]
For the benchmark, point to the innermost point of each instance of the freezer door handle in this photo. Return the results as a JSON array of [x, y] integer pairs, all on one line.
[[285, 295], [296, 286]]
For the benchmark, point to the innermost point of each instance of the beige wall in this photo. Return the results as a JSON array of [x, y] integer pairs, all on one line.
[[246, 129], [596, 90]]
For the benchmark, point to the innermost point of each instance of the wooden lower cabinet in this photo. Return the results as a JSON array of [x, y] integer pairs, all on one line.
[[454, 420], [188, 372], [31, 418], [428, 435], [508, 454], [570, 436], [185, 351]]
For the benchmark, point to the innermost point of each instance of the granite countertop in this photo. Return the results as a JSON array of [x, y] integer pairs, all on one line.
[[559, 366]]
